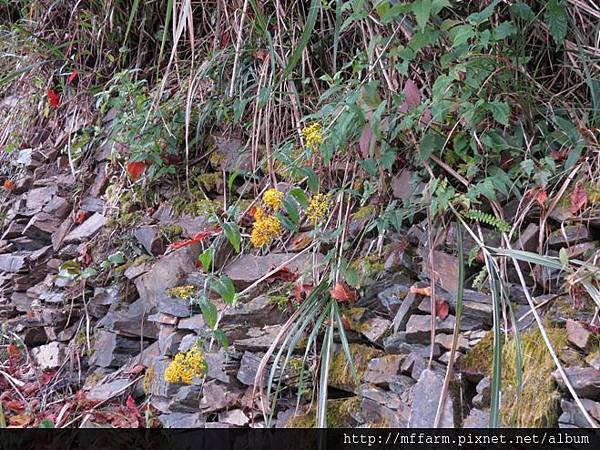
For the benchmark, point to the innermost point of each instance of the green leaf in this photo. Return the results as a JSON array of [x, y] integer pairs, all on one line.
[[522, 11], [232, 232], [500, 111], [315, 7], [563, 256], [503, 30], [461, 34], [117, 258], [225, 288], [299, 195], [89, 273], [209, 312], [555, 16], [291, 208], [221, 337], [46, 423], [231, 179], [422, 11], [206, 258], [431, 142]]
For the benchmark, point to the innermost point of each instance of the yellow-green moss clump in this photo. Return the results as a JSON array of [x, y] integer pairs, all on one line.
[[339, 415], [367, 268], [366, 212], [183, 292], [537, 404], [172, 231], [340, 373]]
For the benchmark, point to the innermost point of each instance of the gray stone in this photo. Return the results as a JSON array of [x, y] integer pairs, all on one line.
[[381, 396], [150, 239], [157, 384], [130, 320], [407, 307], [105, 391], [578, 334], [217, 366], [446, 340], [187, 399], [234, 417], [182, 420], [188, 341], [248, 368], [374, 328], [112, 350], [391, 299], [258, 339], [569, 235], [572, 415], [374, 413], [168, 272], [484, 392], [217, 397], [418, 328], [169, 341], [258, 312], [14, 262], [379, 370], [173, 306], [585, 381], [477, 418], [194, 323], [49, 356], [445, 267], [87, 229], [38, 197], [249, 268], [593, 359], [425, 402]]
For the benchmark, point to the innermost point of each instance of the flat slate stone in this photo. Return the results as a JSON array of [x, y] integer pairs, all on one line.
[[425, 402], [87, 229]]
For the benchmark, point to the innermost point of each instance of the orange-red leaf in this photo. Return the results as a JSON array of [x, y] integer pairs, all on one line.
[[13, 351], [343, 293], [136, 169], [72, 77], [198, 237], [9, 185], [442, 309], [541, 197], [53, 98], [424, 291], [578, 198], [284, 274], [302, 291], [81, 216]]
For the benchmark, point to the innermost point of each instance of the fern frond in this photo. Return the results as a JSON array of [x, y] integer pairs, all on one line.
[[488, 219]]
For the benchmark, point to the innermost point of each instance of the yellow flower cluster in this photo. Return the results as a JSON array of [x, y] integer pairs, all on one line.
[[186, 366], [273, 199], [318, 208], [313, 135], [266, 228]]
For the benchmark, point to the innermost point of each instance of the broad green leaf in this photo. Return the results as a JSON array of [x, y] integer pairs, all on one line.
[[206, 258], [500, 111], [503, 30], [209, 312], [232, 232], [291, 208], [461, 34], [522, 11], [422, 11], [225, 288], [299, 195], [89, 273], [431, 142], [221, 337], [117, 258], [555, 16]]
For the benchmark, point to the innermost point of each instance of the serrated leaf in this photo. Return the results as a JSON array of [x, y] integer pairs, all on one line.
[[422, 11], [500, 111], [555, 16], [232, 233], [89, 273], [430, 143], [503, 30]]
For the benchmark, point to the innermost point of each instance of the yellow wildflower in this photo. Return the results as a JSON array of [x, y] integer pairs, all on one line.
[[273, 199], [313, 135], [266, 228], [318, 208], [186, 366]]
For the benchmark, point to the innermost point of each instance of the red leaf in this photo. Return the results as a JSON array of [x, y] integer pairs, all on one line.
[[81, 216], [53, 98], [301, 291], [13, 351], [9, 185], [342, 293], [541, 197], [578, 198], [285, 275], [412, 96], [132, 407], [14, 405], [441, 308], [198, 237], [364, 143], [135, 169], [72, 77]]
